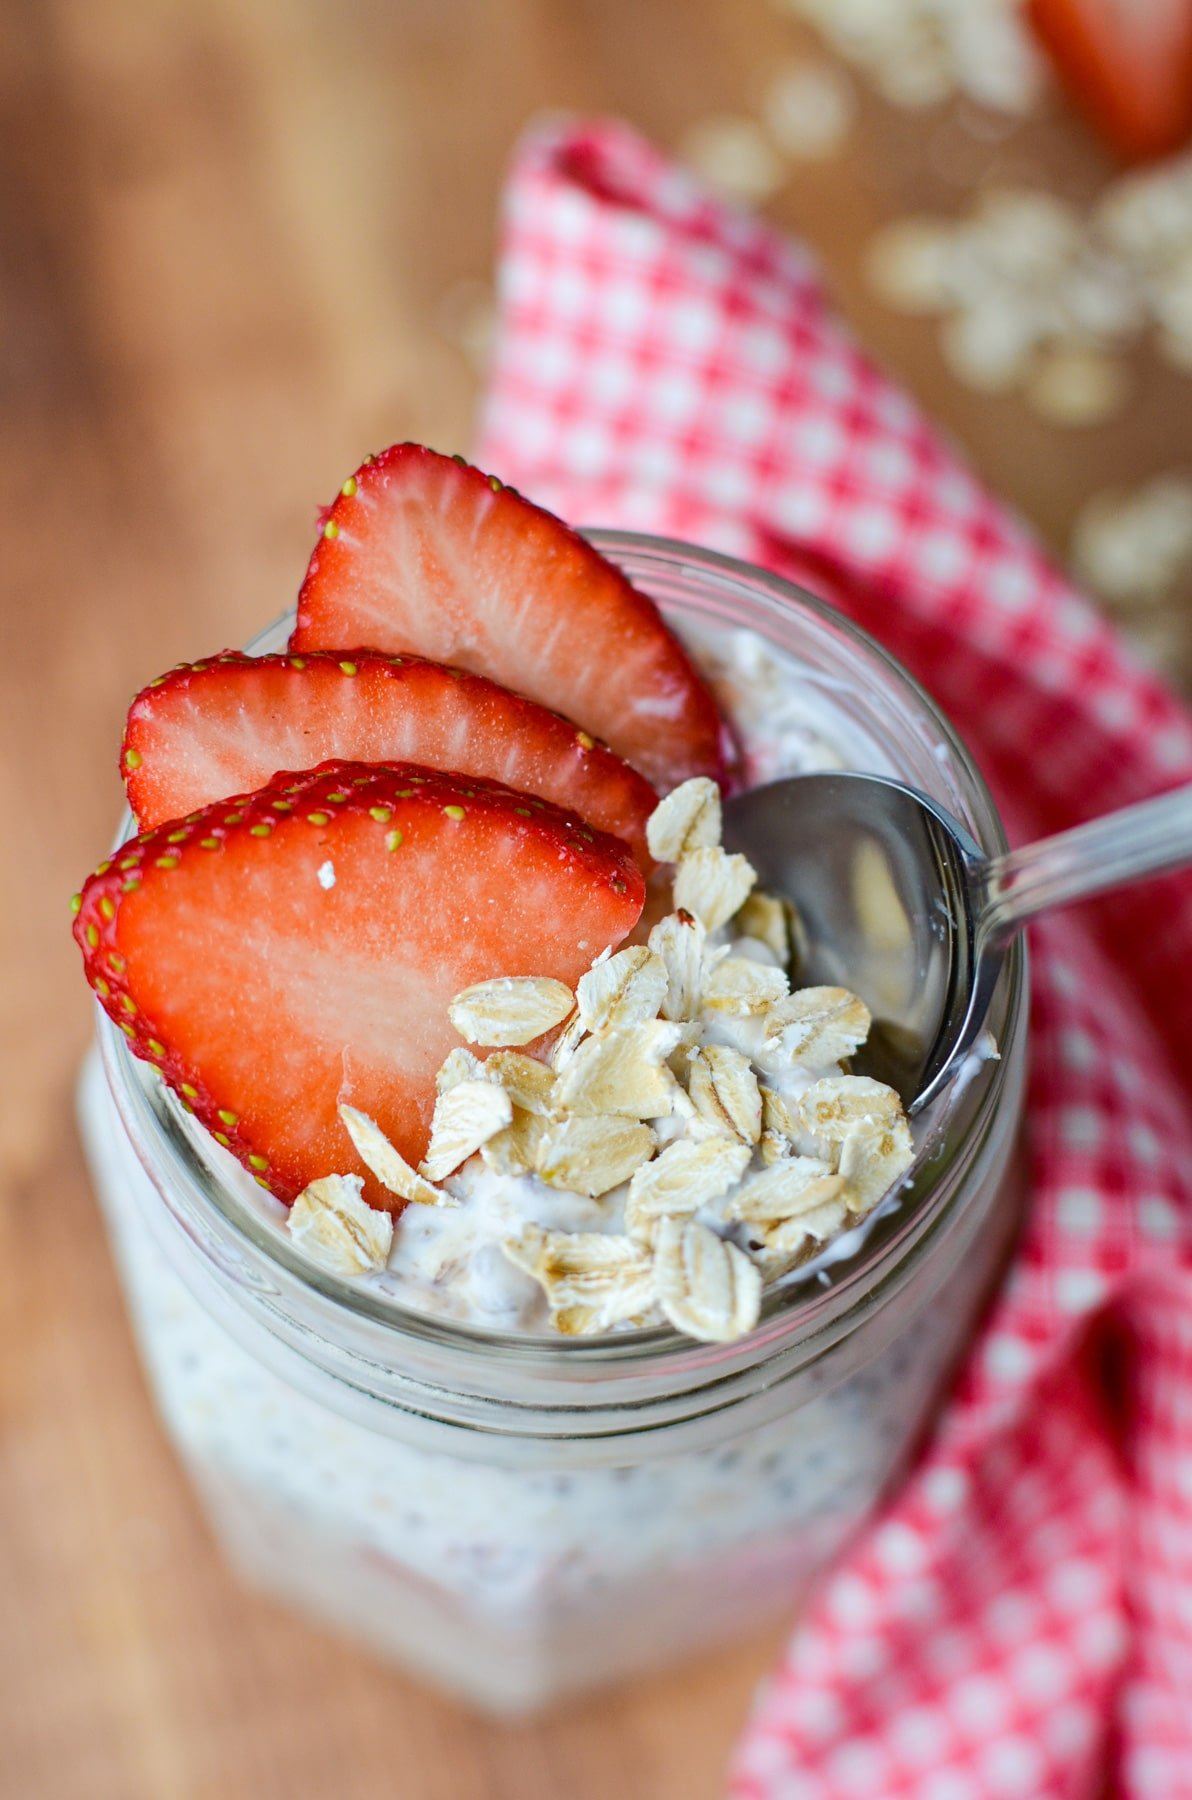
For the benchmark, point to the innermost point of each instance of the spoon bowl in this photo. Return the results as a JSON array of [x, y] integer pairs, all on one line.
[[897, 902]]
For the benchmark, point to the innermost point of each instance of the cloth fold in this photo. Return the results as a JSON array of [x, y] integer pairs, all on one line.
[[1018, 1621]]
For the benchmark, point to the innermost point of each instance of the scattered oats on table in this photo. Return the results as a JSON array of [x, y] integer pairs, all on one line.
[[734, 156], [1078, 386], [1134, 549], [808, 108], [917, 53], [1034, 294], [1028, 297]]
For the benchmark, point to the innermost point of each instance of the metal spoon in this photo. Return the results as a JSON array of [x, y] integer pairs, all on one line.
[[899, 904]]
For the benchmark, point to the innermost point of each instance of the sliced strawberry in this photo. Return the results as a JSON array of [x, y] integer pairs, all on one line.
[[421, 552], [300, 947], [1128, 66], [227, 725]]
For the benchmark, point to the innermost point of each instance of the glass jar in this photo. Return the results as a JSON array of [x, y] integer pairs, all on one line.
[[520, 1517]]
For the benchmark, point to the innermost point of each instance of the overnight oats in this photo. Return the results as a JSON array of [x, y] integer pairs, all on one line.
[[527, 1280]]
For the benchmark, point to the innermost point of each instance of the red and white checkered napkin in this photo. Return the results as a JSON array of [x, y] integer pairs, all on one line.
[[1019, 1620]]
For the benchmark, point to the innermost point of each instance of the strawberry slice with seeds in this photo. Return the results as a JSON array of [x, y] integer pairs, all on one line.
[[300, 946], [1127, 65], [227, 724], [421, 552]]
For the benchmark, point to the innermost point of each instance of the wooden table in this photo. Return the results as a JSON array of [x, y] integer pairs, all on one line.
[[233, 241]]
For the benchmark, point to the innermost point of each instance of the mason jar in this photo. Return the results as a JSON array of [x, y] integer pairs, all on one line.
[[520, 1517]]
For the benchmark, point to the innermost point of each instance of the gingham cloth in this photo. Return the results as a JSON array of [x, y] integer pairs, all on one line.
[[1019, 1620]]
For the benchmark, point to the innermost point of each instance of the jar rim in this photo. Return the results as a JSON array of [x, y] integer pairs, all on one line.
[[261, 1261]]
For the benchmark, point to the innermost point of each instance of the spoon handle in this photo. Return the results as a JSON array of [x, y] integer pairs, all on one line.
[[1106, 853]]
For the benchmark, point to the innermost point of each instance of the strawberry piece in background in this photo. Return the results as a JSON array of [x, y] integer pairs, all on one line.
[[1127, 65]]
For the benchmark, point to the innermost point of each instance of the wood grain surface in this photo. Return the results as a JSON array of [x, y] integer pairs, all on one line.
[[240, 243]]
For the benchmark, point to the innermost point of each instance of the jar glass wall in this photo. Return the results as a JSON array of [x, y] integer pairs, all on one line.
[[521, 1517]]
